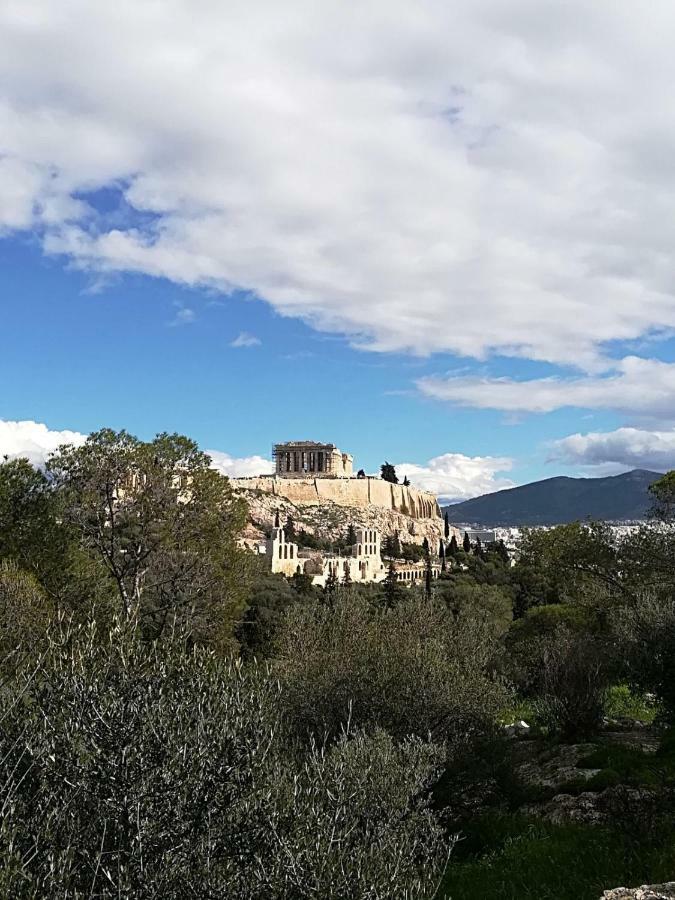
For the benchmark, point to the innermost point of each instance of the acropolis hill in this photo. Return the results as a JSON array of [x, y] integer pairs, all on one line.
[[313, 483]]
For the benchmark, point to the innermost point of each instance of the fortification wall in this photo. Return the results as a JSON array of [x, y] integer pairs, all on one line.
[[353, 492]]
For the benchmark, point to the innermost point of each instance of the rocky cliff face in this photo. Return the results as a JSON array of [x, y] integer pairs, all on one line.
[[325, 507], [645, 892]]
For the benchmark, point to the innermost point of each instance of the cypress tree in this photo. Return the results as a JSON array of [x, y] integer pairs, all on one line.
[[391, 588], [396, 546], [447, 525], [351, 535], [467, 542], [442, 555], [453, 547], [289, 530]]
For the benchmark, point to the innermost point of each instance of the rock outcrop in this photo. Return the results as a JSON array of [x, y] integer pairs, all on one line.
[[644, 892], [326, 506]]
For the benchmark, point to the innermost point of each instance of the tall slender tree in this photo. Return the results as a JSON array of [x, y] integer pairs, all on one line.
[[391, 587], [442, 555], [453, 547], [447, 525], [467, 542]]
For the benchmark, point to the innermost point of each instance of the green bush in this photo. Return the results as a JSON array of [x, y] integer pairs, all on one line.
[[137, 770], [413, 669]]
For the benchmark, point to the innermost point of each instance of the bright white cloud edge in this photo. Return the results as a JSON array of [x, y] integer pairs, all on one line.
[[619, 450], [451, 476], [462, 177]]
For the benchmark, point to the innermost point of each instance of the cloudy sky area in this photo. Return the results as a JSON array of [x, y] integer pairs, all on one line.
[[439, 234]]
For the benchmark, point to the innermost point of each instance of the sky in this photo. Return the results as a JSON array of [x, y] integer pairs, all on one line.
[[435, 234]]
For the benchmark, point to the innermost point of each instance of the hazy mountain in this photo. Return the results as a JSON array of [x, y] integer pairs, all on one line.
[[558, 500]]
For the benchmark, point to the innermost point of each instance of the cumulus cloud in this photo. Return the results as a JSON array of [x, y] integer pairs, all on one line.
[[33, 440], [240, 467], [454, 477], [635, 385], [244, 339], [624, 448], [467, 177]]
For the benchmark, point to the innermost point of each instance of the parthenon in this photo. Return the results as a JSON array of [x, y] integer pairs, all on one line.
[[298, 459]]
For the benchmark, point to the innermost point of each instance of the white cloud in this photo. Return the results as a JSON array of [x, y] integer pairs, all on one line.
[[469, 177], [33, 440], [244, 339], [645, 387], [240, 467], [36, 442], [184, 316], [454, 476], [625, 448]]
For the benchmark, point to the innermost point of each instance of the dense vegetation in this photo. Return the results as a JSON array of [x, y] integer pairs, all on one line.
[[175, 721]]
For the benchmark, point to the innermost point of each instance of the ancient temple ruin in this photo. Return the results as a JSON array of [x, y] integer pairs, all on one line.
[[300, 459]]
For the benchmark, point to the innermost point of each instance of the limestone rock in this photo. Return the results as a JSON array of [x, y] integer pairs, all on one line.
[[328, 517], [644, 892]]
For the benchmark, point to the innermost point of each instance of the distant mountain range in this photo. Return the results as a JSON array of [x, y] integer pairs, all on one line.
[[555, 501]]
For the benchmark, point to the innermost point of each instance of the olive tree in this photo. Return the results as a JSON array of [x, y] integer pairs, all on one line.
[[130, 768]]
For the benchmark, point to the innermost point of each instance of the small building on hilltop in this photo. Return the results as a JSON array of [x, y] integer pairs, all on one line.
[[300, 459]]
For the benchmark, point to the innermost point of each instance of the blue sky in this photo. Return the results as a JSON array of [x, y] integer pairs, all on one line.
[[253, 227]]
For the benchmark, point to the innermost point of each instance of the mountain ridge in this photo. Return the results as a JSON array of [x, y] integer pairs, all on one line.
[[560, 499]]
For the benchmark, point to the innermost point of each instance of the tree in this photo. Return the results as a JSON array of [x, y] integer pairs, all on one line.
[[388, 473], [412, 669], [361, 474], [396, 546], [130, 769], [428, 572], [467, 542], [351, 535], [478, 549], [502, 552], [391, 587], [162, 523], [453, 548], [447, 525], [663, 494], [331, 587], [35, 537], [347, 578], [406, 481], [442, 555], [289, 530]]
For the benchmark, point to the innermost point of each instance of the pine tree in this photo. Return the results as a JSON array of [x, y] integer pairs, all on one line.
[[447, 526], [467, 542], [478, 549], [388, 472], [406, 481], [453, 547]]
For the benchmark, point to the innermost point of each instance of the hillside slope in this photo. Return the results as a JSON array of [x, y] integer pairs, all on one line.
[[561, 499]]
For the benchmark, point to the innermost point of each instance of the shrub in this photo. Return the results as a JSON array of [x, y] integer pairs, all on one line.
[[646, 631], [571, 689], [414, 669], [129, 769]]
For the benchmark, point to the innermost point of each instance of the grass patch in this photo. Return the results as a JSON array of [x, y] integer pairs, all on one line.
[[515, 858], [626, 765], [621, 703]]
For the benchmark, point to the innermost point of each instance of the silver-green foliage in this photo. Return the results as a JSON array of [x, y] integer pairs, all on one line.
[[129, 770]]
